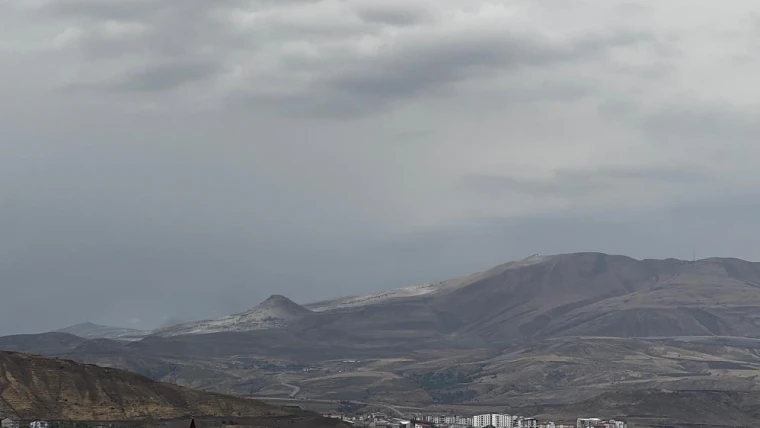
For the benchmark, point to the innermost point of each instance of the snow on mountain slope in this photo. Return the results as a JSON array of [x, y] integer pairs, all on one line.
[[279, 311], [275, 312], [415, 290], [355, 301]]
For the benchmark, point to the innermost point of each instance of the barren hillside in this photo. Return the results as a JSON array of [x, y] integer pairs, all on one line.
[[36, 387]]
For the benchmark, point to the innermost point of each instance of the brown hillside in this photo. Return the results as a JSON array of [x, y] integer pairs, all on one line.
[[36, 387], [592, 294]]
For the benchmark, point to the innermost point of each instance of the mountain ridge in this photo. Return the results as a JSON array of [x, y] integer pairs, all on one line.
[[286, 311]]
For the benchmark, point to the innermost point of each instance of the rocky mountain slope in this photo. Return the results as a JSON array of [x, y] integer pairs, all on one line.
[[593, 294], [36, 387]]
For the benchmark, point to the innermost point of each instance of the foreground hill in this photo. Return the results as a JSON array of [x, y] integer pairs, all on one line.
[[34, 387]]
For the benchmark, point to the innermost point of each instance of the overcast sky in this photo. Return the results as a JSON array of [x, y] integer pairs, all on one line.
[[166, 159]]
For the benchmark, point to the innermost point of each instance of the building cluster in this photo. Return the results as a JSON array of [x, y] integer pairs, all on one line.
[[12, 423], [599, 423], [495, 420], [498, 420]]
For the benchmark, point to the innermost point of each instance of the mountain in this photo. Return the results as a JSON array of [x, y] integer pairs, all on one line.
[[89, 330], [275, 312], [581, 294], [591, 294], [41, 388], [542, 329]]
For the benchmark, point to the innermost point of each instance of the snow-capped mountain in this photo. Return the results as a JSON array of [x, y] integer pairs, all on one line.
[[275, 312], [279, 311]]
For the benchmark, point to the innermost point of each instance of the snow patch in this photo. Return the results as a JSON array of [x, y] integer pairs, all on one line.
[[355, 301]]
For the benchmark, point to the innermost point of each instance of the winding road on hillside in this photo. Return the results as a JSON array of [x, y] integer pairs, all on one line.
[[295, 391], [313, 400], [295, 388]]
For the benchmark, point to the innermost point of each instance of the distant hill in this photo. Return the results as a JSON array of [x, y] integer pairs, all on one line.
[[42, 344], [34, 387], [89, 330]]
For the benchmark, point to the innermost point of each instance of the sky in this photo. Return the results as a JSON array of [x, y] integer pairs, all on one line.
[[168, 160]]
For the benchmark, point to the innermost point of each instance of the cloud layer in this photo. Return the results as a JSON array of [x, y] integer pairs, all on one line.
[[167, 157]]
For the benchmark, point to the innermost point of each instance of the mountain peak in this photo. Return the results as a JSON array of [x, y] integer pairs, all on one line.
[[281, 306], [278, 299], [275, 312]]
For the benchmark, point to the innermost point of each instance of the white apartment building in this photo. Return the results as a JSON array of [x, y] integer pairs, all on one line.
[[501, 421], [493, 419], [464, 420], [587, 422], [39, 424], [480, 421], [618, 424]]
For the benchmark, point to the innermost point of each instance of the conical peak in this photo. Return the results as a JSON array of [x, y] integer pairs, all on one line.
[[278, 299]]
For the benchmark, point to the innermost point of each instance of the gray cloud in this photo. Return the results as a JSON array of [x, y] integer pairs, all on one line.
[[330, 75], [168, 76], [394, 13], [585, 182], [111, 10], [436, 65], [711, 123]]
